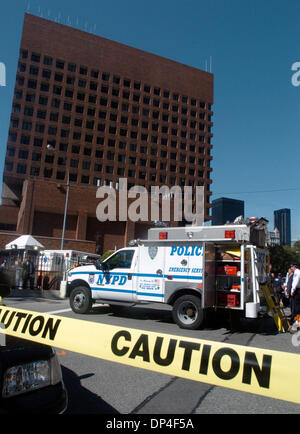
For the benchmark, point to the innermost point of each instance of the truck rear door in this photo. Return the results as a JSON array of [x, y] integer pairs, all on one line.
[[150, 276], [184, 267]]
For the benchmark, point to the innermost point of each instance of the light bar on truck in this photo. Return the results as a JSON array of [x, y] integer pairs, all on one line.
[[163, 235], [229, 234]]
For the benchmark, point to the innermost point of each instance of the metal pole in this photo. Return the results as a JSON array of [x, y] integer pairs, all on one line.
[[65, 214]]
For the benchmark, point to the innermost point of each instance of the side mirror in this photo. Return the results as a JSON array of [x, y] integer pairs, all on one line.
[[100, 265]]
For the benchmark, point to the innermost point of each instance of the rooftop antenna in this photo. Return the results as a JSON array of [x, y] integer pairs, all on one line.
[[210, 64]]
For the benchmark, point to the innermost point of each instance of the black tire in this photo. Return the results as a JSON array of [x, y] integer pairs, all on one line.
[[187, 312], [80, 299]]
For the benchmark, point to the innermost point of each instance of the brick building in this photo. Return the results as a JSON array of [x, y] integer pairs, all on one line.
[[98, 110]]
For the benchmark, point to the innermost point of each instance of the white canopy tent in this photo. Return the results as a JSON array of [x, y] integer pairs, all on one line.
[[24, 242]]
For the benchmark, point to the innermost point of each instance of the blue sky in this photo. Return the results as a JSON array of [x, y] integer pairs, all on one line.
[[253, 44]]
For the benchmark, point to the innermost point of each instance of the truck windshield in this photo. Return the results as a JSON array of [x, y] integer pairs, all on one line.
[[121, 259]]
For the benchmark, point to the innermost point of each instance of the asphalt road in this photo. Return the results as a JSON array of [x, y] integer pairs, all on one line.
[[100, 387]]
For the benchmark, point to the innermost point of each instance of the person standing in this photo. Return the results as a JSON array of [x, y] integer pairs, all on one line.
[[28, 273], [277, 286], [295, 290], [288, 288]]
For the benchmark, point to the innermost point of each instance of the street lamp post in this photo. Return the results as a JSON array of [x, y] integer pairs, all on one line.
[[51, 148], [65, 213]]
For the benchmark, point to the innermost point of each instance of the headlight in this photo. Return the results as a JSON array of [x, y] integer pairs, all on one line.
[[30, 376]]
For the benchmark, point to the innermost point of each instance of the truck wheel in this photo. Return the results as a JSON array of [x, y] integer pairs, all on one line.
[[187, 312], [80, 299]]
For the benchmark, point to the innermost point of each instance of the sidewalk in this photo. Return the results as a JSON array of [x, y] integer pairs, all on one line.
[[36, 293]]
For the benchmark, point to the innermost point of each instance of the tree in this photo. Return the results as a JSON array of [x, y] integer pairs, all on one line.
[[281, 258], [297, 250]]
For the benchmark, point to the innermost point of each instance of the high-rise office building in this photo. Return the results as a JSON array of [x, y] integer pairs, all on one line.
[[282, 221], [97, 110], [226, 210]]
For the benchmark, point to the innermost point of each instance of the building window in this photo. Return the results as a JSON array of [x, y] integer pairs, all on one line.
[[53, 117], [49, 158], [55, 103], [27, 126], [75, 149], [21, 169], [52, 131], [60, 175], [46, 73], [63, 147], [24, 54], [9, 166], [94, 73], [34, 171], [83, 70], [74, 163], [11, 152], [43, 100], [28, 111], [73, 177], [33, 70], [60, 64], [38, 142], [32, 84], [48, 172], [57, 90], [44, 87], [77, 135], [36, 156], [61, 161], [93, 99], [48, 60], [71, 67], [68, 106], [19, 94], [93, 85], [35, 57], [69, 93]]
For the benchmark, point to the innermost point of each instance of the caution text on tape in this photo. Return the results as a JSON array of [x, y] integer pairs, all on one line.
[[265, 372]]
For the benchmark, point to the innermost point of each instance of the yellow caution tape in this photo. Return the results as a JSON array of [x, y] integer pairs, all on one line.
[[264, 372]]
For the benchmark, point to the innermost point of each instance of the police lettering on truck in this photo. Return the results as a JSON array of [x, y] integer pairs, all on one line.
[[180, 270]]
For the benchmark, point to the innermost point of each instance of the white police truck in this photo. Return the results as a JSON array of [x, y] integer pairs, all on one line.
[[192, 268]]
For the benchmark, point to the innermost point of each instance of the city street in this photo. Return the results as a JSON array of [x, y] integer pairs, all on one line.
[[100, 387]]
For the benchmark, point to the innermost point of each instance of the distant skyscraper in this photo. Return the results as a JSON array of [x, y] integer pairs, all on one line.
[[225, 209], [282, 221]]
